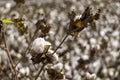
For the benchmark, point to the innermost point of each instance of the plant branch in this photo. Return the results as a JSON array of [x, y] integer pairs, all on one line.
[[60, 43], [9, 57], [39, 71], [29, 44], [52, 54]]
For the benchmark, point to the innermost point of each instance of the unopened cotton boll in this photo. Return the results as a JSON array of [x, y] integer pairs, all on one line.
[[39, 44], [55, 57]]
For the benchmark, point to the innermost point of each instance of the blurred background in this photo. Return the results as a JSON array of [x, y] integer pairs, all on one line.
[[96, 50]]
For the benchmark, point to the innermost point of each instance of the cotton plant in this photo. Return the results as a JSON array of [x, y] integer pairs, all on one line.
[[42, 53], [3, 30], [40, 49]]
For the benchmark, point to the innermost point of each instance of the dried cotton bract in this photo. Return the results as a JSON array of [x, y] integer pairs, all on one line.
[[78, 24]]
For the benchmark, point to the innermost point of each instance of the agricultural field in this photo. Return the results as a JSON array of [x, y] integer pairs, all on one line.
[[59, 39]]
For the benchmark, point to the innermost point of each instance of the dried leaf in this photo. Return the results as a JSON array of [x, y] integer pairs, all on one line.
[[43, 26], [72, 15], [46, 48], [46, 29], [79, 24], [20, 26], [86, 14], [40, 24]]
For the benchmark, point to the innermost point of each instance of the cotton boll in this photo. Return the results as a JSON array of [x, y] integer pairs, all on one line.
[[58, 66], [93, 76], [46, 75], [55, 56], [102, 32], [96, 65], [115, 33], [51, 58], [67, 67], [90, 76], [115, 43], [3, 55], [8, 7], [39, 44], [93, 41], [111, 72], [25, 70], [77, 17]]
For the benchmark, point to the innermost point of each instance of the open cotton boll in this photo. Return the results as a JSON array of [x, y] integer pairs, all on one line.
[[77, 17], [54, 57], [25, 71], [39, 44], [58, 66], [90, 76]]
